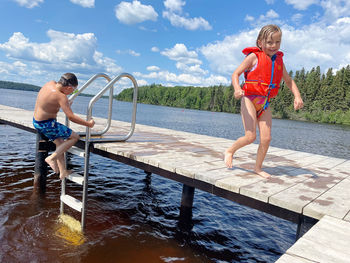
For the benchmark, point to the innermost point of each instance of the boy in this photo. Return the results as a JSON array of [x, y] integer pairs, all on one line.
[[51, 97]]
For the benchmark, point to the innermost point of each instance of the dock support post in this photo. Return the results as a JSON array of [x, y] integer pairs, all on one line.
[[186, 207], [304, 225], [40, 170]]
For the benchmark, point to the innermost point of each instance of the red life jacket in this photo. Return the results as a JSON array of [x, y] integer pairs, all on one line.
[[259, 81]]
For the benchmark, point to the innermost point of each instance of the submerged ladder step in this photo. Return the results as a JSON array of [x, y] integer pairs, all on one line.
[[72, 202], [76, 178], [77, 151]]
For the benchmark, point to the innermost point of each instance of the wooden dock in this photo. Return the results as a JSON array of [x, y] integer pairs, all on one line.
[[303, 185], [328, 241]]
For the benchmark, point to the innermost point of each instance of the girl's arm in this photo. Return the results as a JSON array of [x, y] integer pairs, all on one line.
[[247, 64], [298, 101]]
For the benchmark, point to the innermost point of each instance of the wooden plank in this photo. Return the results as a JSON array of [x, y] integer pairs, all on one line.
[[298, 196], [343, 168], [335, 202], [263, 189], [328, 241]]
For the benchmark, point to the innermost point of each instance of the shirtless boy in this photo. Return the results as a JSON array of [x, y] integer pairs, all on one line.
[[51, 97]]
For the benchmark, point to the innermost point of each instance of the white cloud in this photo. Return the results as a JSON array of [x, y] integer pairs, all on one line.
[[213, 80], [174, 5], [155, 49], [296, 18], [84, 3], [135, 12], [173, 13], [129, 52], [271, 17], [29, 3], [224, 56], [271, 14], [318, 44], [64, 52], [147, 29], [180, 53], [312, 46], [172, 79], [301, 4], [63, 47], [133, 53], [193, 69], [187, 23], [249, 18], [153, 68], [335, 9], [189, 66], [270, 2], [142, 82]]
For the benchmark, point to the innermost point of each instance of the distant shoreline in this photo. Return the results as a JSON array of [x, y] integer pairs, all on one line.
[[18, 86], [26, 87]]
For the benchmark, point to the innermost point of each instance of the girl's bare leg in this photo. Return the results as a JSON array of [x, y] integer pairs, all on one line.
[[264, 124], [249, 120]]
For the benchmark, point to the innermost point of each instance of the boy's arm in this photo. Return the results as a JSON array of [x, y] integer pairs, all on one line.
[[65, 106], [298, 101]]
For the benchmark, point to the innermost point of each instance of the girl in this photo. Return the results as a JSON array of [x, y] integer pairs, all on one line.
[[263, 71]]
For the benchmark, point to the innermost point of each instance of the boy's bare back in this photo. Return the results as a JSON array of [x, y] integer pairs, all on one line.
[[48, 101]]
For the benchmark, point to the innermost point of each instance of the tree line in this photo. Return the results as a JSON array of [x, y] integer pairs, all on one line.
[[326, 97], [18, 86]]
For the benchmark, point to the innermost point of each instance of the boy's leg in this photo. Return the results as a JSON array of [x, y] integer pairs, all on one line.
[[264, 124], [61, 162], [62, 166], [56, 160], [249, 120]]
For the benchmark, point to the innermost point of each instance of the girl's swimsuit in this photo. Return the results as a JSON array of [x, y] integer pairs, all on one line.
[[52, 129], [259, 103]]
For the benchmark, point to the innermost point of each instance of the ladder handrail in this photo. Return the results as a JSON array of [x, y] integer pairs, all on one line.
[[87, 83], [82, 88], [100, 94]]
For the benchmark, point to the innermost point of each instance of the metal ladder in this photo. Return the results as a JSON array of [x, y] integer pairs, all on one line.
[[65, 199]]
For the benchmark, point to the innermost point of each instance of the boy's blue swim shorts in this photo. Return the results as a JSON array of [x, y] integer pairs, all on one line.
[[52, 129]]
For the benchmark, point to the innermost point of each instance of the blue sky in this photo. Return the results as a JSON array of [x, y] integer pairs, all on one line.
[[171, 42]]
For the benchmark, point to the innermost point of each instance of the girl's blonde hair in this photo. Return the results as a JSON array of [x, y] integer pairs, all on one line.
[[266, 31]]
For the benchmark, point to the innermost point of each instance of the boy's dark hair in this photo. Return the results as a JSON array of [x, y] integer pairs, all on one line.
[[68, 79]]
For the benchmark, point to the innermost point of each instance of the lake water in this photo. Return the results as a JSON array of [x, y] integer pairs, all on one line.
[[133, 218]]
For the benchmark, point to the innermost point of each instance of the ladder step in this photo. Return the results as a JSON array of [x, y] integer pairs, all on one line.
[[77, 151], [76, 178], [72, 202]]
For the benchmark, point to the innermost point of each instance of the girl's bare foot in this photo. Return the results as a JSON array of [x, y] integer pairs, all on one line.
[[65, 173], [262, 174], [53, 164], [228, 159]]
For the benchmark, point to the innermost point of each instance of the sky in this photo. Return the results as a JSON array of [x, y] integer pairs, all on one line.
[[168, 42]]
